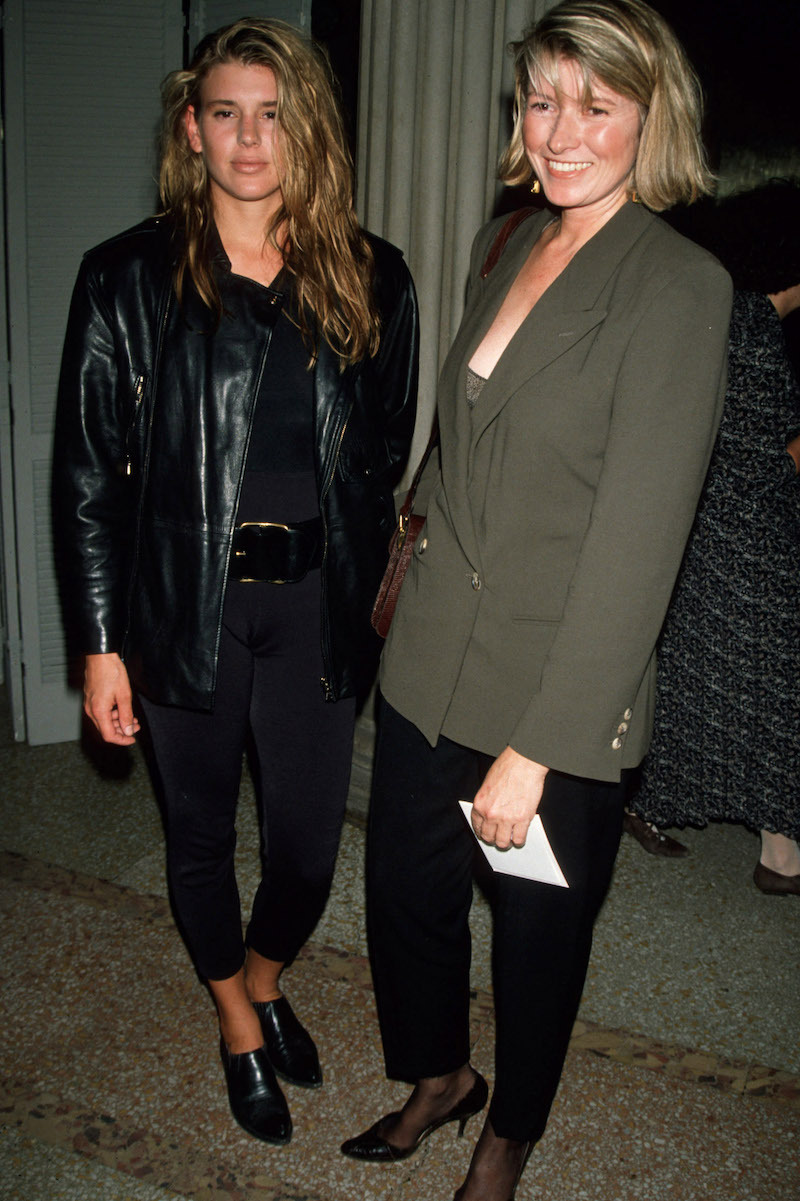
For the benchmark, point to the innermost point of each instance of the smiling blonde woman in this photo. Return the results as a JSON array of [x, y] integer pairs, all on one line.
[[577, 412]]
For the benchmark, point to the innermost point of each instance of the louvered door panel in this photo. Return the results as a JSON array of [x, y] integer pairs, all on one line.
[[81, 113]]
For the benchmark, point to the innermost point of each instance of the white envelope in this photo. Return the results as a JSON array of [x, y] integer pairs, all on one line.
[[533, 861]]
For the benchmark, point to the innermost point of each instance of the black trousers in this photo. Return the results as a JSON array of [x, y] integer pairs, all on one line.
[[420, 861], [268, 687]]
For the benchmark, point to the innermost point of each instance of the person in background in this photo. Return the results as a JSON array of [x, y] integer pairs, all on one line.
[[654, 840], [236, 405], [577, 412], [726, 742]]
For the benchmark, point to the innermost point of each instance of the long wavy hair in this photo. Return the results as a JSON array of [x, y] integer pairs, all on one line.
[[323, 245], [628, 46]]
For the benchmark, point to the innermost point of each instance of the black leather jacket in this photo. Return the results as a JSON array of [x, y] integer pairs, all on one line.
[[154, 415]]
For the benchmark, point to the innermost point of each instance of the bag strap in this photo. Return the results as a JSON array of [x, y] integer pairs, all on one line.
[[502, 236], [498, 245], [408, 503]]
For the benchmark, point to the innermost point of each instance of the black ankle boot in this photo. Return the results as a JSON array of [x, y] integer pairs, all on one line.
[[256, 1099], [288, 1044]]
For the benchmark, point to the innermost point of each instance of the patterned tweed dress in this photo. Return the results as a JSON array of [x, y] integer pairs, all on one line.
[[726, 741]]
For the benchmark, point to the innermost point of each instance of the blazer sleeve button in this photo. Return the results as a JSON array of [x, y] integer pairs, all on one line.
[[616, 745]]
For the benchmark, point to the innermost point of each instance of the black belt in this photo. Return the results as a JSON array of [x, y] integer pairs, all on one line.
[[266, 552]]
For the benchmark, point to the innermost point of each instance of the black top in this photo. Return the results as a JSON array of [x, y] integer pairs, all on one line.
[[279, 482]]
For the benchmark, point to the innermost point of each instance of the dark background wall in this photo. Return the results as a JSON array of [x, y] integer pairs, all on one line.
[[746, 53], [336, 23]]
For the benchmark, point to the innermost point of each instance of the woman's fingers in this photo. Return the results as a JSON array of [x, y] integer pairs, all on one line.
[[108, 701], [506, 802]]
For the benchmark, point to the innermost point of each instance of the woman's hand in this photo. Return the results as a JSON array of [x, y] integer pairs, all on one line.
[[506, 803], [107, 699]]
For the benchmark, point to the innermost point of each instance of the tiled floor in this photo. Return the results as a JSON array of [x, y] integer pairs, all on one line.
[[682, 1082]]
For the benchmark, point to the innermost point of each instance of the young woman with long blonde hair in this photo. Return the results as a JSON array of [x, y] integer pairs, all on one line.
[[236, 405]]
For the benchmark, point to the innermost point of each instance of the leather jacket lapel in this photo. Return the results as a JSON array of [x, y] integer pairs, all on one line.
[[333, 400]]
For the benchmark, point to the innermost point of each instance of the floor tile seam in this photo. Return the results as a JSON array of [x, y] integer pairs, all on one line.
[[36, 875], [624, 1047], [166, 1162], [739, 1078], [169, 1162], [629, 1048]]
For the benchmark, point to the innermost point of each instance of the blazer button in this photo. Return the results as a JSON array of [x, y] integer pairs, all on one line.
[[622, 728], [423, 545], [616, 745], [476, 581], [628, 714]]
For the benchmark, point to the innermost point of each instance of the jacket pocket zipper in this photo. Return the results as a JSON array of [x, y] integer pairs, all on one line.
[[138, 393], [326, 681]]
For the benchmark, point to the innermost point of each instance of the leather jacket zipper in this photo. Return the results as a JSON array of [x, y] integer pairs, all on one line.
[[138, 394], [325, 681]]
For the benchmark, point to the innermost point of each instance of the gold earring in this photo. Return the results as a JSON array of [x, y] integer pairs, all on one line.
[[635, 196], [536, 187]]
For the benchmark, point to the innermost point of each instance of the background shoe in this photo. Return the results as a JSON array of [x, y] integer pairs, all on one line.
[[775, 883], [654, 841], [288, 1044], [256, 1099]]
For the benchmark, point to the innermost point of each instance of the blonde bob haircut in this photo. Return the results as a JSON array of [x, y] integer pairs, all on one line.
[[628, 47], [324, 248]]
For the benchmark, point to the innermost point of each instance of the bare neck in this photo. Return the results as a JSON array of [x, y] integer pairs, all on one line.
[[242, 231], [576, 226]]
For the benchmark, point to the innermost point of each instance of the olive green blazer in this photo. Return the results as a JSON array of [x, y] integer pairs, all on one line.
[[555, 529]]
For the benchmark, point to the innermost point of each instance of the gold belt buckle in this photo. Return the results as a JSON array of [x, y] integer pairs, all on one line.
[[259, 525]]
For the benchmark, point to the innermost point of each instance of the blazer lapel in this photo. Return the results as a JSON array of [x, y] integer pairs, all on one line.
[[485, 298], [568, 310], [542, 338]]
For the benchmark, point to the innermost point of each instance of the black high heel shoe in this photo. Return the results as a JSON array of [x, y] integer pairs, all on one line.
[[255, 1096], [290, 1047], [374, 1148]]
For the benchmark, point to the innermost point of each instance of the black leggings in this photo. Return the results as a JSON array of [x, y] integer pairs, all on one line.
[[420, 863], [268, 685]]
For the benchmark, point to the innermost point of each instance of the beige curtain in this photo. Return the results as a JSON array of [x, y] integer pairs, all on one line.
[[434, 114]]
